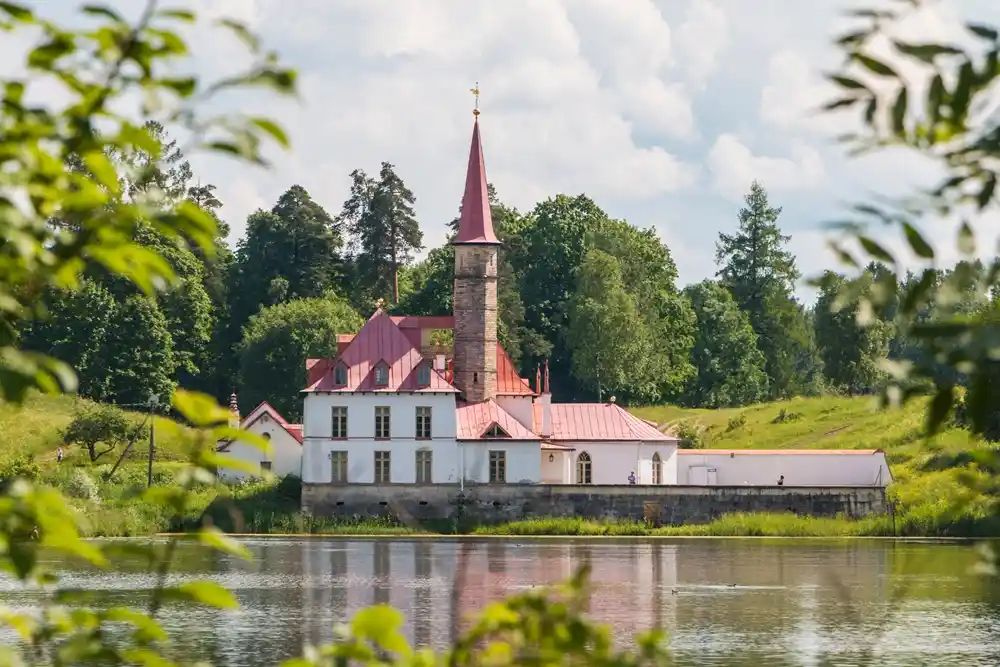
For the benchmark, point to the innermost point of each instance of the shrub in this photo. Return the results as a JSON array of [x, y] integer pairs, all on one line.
[[785, 416], [82, 486], [739, 421], [691, 435], [22, 466]]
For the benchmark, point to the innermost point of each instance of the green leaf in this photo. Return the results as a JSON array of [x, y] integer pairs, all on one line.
[[381, 625], [272, 129], [983, 31], [986, 192], [146, 628], [183, 86], [17, 11], [875, 66], [212, 537], [842, 255], [939, 408], [203, 592], [846, 82], [199, 409], [925, 52], [963, 92], [101, 10], [102, 170], [966, 239], [935, 94], [841, 103], [875, 250], [870, 110], [899, 113], [242, 33], [917, 243], [178, 14]]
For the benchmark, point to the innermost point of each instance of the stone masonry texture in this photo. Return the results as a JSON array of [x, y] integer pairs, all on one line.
[[475, 309], [667, 505]]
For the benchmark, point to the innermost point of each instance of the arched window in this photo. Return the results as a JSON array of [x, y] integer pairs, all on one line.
[[584, 469], [340, 374], [657, 469]]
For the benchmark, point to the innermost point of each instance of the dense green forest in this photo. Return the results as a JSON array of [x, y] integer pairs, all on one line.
[[595, 296]]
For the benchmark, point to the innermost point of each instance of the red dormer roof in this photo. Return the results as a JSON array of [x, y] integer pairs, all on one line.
[[475, 226], [476, 419], [380, 340]]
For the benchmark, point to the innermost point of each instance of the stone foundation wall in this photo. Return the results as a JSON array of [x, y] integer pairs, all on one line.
[[485, 504]]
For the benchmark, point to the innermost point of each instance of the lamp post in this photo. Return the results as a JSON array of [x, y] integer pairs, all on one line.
[[154, 402]]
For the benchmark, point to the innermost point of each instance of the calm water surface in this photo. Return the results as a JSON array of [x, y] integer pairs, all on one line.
[[793, 603]]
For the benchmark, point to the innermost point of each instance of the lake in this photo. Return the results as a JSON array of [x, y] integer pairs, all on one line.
[[723, 601]]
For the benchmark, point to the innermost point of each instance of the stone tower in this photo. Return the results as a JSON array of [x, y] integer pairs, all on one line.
[[475, 298]]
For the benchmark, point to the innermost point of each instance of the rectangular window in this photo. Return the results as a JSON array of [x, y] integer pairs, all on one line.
[[382, 421], [265, 465], [382, 468], [498, 467], [423, 423], [338, 467], [424, 461], [339, 422]]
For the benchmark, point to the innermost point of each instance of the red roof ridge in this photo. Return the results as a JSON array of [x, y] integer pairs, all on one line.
[[475, 224]]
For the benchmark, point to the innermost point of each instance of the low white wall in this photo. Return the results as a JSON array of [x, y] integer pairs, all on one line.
[[800, 469], [285, 455], [611, 462]]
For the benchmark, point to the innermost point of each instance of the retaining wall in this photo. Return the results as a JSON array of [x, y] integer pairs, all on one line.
[[675, 505]]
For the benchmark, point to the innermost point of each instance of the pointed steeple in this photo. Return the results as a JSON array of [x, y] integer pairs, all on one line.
[[475, 226]]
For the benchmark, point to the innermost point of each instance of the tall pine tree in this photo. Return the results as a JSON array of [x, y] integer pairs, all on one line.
[[379, 214], [759, 271]]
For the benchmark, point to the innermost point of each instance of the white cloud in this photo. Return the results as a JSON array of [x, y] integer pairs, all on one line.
[[702, 39], [734, 167]]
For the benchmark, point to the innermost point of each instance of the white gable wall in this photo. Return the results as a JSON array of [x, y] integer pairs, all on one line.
[[361, 445], [520, 408], [285, 455], [612, 461], [762, 469]]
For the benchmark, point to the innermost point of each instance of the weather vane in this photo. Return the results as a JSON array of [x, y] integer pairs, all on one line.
[[475, 91]]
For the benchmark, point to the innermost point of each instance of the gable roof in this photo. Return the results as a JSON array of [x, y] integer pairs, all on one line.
[[598, 421], [265, 408], [380, 340], [475, 419]]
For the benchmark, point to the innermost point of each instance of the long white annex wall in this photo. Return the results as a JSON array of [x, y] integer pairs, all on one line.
[[612, 462], [830, 468], [285, 455]]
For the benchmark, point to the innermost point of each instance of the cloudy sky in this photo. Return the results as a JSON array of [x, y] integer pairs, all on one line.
[[663, 111]]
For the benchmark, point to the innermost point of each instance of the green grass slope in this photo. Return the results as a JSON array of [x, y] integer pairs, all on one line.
[[945, 485]]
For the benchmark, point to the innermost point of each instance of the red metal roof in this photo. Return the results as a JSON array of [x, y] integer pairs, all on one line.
[[294, 430], [476, 222], [380, 341], [783, 452], [475, 419], [509, 382], [598, 421]]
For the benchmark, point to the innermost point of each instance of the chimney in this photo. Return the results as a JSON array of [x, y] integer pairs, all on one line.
[[545, 401], [234, 411], [538, 379], [439, 363]]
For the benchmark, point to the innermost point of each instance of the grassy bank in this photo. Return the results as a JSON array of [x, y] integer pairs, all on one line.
[[944, 486]]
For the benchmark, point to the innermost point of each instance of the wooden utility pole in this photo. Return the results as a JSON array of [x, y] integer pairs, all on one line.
[[152, 446]]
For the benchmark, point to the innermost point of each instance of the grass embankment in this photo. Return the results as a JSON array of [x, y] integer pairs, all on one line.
[[940, 489]]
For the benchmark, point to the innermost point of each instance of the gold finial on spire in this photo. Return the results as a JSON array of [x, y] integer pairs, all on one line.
[[379, 303], [475, 91]]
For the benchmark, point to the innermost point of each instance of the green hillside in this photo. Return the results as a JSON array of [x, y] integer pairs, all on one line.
[[940, 487]]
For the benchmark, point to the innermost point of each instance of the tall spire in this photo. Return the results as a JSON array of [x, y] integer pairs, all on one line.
[[475, 226]]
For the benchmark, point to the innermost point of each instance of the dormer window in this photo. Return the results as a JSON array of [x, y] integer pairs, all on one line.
[[423, 375], [340, 375], [382, 374], [496, 432]]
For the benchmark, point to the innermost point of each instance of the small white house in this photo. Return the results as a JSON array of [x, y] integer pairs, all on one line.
[[285, 457], [793, 467]]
